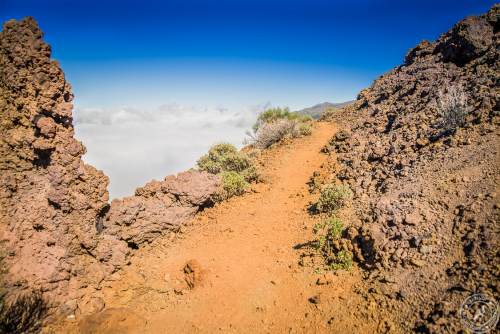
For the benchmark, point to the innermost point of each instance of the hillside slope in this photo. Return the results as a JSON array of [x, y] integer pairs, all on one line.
[[426, 186]]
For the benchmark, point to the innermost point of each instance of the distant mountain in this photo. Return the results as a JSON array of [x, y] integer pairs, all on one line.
[[316, 111]]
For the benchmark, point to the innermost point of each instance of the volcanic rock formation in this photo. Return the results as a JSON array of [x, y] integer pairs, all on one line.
[[426, 193], [55, 230]]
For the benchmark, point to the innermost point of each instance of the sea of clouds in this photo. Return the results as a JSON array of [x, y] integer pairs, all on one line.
[[133, 146]]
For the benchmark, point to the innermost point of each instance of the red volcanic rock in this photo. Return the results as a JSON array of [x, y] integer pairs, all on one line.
[[160, 206], [43, 181], [55, 229], [426, 219]]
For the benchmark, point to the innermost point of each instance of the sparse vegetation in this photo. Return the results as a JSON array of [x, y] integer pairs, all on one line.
[[274, 114], [330, 246], [331, 227], [328, 114], [233, 184], [333, 197], [342, 260], [276, 124], [453, 107], [235, 168], [305, 128], [225, 157], [23, 314]]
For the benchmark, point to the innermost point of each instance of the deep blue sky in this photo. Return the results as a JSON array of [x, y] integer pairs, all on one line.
[[232, 52], [158, 82]]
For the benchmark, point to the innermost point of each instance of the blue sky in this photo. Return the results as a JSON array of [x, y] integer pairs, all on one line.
[[294, 52], [158, 82]]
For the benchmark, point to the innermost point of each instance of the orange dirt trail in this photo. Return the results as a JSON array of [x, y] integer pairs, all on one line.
[[248, 280]]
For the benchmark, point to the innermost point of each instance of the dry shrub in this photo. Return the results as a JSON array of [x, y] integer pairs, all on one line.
[[270, 133], [276, 124], [22, 314], [453, 108]]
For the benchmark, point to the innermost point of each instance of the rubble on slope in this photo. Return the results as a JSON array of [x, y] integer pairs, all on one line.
[[426, 197]]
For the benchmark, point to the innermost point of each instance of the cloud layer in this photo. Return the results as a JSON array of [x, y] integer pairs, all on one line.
[[134, 146]]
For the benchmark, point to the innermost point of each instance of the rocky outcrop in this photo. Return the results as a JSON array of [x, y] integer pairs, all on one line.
[[426, 193], [160, 206], [57, 230], [50, 199]]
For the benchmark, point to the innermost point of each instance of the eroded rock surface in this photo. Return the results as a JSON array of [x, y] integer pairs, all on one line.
[[50, 199], [160, 206], [426, 198], [57, 229]]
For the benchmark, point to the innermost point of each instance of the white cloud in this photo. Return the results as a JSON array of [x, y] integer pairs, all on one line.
[[134, 146]]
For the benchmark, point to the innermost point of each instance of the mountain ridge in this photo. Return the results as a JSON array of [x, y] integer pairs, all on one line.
[[318, 109]]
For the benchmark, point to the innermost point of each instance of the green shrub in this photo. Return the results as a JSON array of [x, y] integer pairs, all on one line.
[[305, 129], [250, 174], [330, 245], [274, 114], [342, 261], [226, 158], [233, 184], [333, 197], [327, 231], [235, 168]]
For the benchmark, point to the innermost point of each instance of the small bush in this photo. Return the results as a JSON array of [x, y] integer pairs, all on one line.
[[328, 231], [305, 129], [328, 114], [235, 168], [274, 114], [226, 158], [22, 315], [453, 108], [333, 197], [233, 184], [328, 244], [271, 133], [276, 124], [341, 261], [332, 226]]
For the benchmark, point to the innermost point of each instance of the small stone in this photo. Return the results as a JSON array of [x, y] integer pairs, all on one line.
[[388, 279], [417, 263], [412, 219], [323, 280], [425, 249], [47, 126], [415, 241], [315, 299], [69, 307]]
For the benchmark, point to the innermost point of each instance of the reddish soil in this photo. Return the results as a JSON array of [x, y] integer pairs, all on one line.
[[234, 268]]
